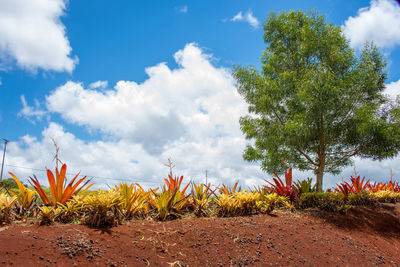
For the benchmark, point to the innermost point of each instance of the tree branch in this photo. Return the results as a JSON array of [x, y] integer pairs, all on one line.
[[307, 157], [343, 158]]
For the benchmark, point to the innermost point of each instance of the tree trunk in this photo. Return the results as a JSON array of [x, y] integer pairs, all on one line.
[[321, 155], [320, 175]]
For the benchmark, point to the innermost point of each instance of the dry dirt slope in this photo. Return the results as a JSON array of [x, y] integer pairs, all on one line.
[[363, 237]]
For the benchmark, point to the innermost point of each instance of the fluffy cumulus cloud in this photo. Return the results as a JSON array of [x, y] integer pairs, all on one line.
[[189, 113], [380, 22], [247, 17], [33, 36]]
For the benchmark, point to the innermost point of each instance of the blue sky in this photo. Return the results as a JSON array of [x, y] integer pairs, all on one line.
[[123, 85]]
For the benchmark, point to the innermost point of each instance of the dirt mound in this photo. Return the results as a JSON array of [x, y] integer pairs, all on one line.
[[363, 237]]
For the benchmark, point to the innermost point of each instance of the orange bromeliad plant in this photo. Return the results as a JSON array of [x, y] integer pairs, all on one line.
[[59, 193]]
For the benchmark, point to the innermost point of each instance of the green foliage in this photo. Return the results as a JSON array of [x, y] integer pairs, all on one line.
[[305, 186], [315, 104], [8, 184], [361, 198], [323, 200]]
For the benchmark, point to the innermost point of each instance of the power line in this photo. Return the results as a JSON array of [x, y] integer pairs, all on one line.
[[68, 173]]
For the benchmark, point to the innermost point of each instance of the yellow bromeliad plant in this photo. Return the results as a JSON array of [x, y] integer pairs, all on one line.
[[201, 197], [268, 202], [168, 203], [134, 199], [6, 204], [25, 197], [386, 196], [237, 203], [59, 192], [103, 208]]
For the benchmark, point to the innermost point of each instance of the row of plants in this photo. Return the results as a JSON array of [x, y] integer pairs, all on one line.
[[73, 202]]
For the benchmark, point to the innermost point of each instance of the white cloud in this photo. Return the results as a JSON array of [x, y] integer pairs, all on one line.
[[28, 111], [393, 89], [183, 9], [189, 113], [98, 85], [33, 35], [247, 17], [379, 23]]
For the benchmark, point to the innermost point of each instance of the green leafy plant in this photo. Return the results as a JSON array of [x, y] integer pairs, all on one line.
[[330, 201], [305, 186], [361, 198]]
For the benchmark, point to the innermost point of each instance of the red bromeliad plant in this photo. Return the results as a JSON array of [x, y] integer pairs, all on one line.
[[284, 189], [358, 185], [227, 191], [344, 188], [59, 192], [375, 187], [175, 183], [393, 186]]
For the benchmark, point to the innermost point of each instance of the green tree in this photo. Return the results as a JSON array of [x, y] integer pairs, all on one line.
[[316, 103]]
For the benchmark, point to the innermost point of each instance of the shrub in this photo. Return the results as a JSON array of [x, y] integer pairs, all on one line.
[[329, 201], [361, 198], [8, 184]]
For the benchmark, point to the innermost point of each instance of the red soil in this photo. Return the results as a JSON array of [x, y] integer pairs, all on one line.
[[365, 236]]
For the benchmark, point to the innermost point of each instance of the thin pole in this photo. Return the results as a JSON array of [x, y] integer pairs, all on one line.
[[4, 154]]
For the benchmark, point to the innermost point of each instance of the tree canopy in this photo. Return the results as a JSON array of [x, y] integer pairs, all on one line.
[[316, 103]]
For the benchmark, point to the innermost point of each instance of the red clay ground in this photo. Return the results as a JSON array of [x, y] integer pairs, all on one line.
[[364, 237]]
